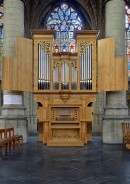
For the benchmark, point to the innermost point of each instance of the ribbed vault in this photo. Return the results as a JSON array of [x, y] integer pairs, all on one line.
[[92, 12], [88, 8]]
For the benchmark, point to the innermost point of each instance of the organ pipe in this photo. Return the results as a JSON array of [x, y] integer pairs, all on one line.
[[43, 69], [86, 69], [74, 79], [64, 76], [56, 78], [39, 78]]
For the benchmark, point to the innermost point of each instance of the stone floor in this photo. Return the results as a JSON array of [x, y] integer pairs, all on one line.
[[96, 163]]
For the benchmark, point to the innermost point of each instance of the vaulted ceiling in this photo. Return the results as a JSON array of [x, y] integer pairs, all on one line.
[[90, 9], [92, 12]]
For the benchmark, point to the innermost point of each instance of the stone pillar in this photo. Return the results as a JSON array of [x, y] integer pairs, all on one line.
[[98, 112], [13, 110], [31, 112], [116, 110]]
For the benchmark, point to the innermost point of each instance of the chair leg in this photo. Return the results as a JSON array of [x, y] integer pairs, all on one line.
[[3, 150]]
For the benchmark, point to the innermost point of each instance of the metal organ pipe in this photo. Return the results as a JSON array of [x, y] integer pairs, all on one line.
[[42, 65], [86, 55], [74, 79], [39, 66], [90, 65], [65, 76], [43, 68], [48, 61], [47, 73], [40, 72], [88, 82], [81, 69], [86, 69]]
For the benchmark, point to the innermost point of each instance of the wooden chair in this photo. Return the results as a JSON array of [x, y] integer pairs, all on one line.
[[4, 141], [126, 134], [8, 140], [16, 139]]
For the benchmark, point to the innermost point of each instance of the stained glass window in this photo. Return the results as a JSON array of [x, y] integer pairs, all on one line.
[[65, 20], [127, 22], [1, 31], [127, 26]]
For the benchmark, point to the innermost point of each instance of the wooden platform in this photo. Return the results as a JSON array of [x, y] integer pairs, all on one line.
[[65, 142]]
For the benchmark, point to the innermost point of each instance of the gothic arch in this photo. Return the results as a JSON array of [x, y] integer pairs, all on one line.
[[90, 11]]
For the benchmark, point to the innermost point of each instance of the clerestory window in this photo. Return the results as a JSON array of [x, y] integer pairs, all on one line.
[[1, 30], [127, 26]]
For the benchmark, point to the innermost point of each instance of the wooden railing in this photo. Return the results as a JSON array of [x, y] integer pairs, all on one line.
[[8, 140]]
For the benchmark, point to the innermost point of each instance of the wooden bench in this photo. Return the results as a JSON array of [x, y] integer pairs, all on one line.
[[126, 134], [8, 140]]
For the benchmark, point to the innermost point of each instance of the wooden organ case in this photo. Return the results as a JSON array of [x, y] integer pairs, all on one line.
[[65, 88], [64, 81]]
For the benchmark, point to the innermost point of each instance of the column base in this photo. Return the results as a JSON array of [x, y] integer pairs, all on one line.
[[13, 110], [19, 124], [112, 129], [14, 116]]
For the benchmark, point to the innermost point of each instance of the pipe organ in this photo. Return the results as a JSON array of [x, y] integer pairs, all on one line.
[[65, 88], [65, 81]]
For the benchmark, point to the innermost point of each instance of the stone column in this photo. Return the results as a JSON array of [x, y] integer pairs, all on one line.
[[13, 110], [116, 110]]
